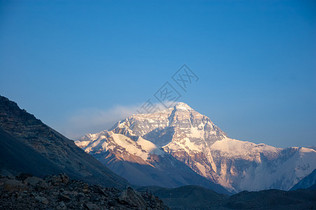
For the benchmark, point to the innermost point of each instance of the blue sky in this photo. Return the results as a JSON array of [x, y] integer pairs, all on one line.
[[79, 65]]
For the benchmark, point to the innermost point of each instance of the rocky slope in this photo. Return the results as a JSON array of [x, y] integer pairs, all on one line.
[[60, 192], [28, 145], [16, 156], [193, 139]]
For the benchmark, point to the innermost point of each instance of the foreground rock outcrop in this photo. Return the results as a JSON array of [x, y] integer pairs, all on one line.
[[60, 192]]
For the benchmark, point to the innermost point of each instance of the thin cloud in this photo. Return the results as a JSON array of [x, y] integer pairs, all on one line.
[[92, 120]]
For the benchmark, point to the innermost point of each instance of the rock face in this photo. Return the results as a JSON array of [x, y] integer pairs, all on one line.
[[30, 146], [61, 192], [140, 144]]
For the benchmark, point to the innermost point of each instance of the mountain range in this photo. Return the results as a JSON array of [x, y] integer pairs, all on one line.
[[141, 149], [179, 146]]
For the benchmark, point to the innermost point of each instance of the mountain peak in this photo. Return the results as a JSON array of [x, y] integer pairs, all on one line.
[[182, 106]]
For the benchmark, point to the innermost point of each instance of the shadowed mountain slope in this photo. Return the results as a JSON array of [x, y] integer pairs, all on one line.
[[306, 182], [47, 151]]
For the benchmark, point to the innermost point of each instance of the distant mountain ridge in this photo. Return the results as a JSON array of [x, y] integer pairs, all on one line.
[[199, 198], [306, 182], [30, 146], [145, 141]]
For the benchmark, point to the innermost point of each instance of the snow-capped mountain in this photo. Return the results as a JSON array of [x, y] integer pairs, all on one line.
[[183, 136]]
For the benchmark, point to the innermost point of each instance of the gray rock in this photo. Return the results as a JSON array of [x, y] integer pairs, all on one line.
[[91, 206], [61, 205], [42, 200], [33, 181], [63, 197], [12, 185]]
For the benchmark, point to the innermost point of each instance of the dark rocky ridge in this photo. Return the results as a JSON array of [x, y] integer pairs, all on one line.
[[51, 152], [195, 197], [60, 192]]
